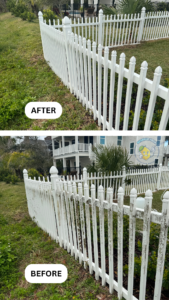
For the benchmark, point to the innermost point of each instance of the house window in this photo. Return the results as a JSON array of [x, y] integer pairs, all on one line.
[[119, 140], [74, 164], [156, 162], [131, 148], [102, 140], [91, 139], [73, 142], [66, 144], [56, 145], [158, 141], [166, 143], [86, 139]]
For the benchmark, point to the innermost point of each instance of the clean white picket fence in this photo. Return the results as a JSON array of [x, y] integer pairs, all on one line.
[[94, 79], [120, 30], [156, 26], [69, 215], [123, 30]]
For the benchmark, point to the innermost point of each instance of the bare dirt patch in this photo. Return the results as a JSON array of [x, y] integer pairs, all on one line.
[[35, 58]]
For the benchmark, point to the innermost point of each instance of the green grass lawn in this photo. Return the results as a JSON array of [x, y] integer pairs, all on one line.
[[156, 204], [155, 52], [30, 245], [26, 77]]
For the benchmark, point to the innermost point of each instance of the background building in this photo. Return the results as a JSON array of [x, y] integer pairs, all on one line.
[[73, 153]]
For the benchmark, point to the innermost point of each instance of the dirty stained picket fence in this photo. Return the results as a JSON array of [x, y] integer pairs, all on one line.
[[69, 215], [99, 83], [141, 179]]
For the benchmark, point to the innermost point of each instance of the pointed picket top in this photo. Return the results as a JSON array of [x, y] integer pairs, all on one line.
[[144, 65], [132, 61], [158, 71], [166, 197], [133, 192], [148, 193], [120, 190], [122, 56]]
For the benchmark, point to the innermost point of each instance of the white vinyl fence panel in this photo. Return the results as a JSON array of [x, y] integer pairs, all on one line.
[[156, 26], [100, 83], [65, 210]]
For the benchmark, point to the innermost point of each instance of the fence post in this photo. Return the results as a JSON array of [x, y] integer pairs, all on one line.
[[145, 243], [123, 178], [85, 175], [54, 176], [159, 177], [162, 247], [67, 30], [40, 17], [25, 174], [100, 26], [141, 27]]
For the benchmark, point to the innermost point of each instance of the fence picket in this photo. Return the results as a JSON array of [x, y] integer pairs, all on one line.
[[119, 90], [129, 91], [132, 229], [110, 239], [82, 224], [162, 246], [155, 85], [102, 237], [145, 243], [86, 194], [120, 241]]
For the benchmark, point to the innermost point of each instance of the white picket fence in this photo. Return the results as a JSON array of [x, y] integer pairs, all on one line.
[[120, 30], [141, 179], [69, 215], [94, 79]]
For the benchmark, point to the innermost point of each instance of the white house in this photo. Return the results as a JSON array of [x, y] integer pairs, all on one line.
[[76, 151]]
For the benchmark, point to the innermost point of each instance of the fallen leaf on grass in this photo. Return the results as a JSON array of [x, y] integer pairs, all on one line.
[[101, 297]]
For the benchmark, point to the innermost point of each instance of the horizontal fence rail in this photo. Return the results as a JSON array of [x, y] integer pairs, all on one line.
[[72, 215], [108, 90]]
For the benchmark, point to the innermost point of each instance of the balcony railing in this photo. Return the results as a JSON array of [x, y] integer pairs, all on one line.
[[166, 150], [81, 147]]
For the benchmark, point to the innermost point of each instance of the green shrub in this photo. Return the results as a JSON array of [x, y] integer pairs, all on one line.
[[34, 173], [10, 4], [49, 15], [7, 179], [14, 179], [24, 15], [4, 172], [19, 8], [31, 16]]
